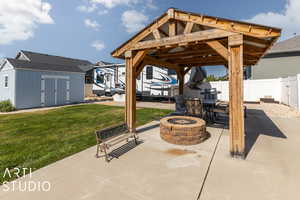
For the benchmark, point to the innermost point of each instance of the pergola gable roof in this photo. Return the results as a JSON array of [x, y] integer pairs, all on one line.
[[187, 23], [180, 40]]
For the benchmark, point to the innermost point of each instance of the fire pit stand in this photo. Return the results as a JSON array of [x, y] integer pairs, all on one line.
[[183, 130]]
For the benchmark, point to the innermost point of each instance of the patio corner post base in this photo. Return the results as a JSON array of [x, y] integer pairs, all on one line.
[[238, 155]]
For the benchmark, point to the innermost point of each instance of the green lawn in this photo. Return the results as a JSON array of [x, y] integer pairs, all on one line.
[[34, 140]]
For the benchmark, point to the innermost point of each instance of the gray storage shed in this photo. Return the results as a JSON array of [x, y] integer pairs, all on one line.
[[37, 80]]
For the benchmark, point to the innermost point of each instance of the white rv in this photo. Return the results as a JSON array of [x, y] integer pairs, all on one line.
[[109, 79]]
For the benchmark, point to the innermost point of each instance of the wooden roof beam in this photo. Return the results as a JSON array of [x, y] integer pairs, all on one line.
[[156, 62], [182, 39], [199, 59], [186, 53]]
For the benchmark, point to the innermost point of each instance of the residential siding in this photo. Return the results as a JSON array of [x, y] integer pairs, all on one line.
[[276, 67], [7, 93], [28, 87]]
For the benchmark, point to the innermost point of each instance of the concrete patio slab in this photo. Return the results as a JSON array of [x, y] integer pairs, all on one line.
[[271, 170], [152, 170]]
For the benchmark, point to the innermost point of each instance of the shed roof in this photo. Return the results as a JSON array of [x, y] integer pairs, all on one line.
[[24, 64], [289, 45], [51, 59]]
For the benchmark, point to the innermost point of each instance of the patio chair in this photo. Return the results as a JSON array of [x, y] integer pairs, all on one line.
[[223, 108], [108, 137]]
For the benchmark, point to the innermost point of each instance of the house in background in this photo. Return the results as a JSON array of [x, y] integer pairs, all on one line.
[[38, 80], [282, 60]]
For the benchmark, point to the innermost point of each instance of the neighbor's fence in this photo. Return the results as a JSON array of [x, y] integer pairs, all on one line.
[[290, 91], [283, 90]]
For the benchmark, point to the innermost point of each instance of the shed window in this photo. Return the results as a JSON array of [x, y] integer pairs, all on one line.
[[149, 72], [6, 81]]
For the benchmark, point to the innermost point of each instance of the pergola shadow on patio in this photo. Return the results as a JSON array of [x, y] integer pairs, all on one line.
[[181, 40]]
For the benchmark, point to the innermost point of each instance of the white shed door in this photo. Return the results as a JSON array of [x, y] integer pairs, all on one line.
[[50, 92], [61, 91], [55, 90]]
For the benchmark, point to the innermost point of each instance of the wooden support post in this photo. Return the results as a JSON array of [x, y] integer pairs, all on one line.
[[236, 114], [130, 106], [180, 76], [132, 62]]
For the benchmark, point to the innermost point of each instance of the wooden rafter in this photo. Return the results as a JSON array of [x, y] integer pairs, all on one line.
[[156, 34], [163, 32], [172, 28], [188, 27], [139, 36], [249, 29]]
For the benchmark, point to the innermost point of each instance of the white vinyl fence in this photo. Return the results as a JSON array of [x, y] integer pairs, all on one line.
[[283, 90]]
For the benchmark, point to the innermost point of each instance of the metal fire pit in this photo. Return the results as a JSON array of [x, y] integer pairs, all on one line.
[[183, 130]]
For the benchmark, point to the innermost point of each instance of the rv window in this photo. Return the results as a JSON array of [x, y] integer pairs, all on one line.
[[171, 72], [138, 77], [6, 81], [149, 73], [100, 78]]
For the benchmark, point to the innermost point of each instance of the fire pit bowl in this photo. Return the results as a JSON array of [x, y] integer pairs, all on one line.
[[183, 130]]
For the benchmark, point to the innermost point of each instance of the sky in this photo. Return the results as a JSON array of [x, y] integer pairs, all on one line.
[[92, 29]]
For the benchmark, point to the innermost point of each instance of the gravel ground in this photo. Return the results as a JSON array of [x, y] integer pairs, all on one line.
[[275, 110]]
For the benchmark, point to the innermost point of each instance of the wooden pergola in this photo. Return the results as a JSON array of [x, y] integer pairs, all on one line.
[[181, 40]]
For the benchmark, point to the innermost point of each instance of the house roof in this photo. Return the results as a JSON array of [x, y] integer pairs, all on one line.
[[24, 64], [289, 45], [56, 60]]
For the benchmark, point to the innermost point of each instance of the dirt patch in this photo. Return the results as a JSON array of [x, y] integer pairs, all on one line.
[[179, 152]]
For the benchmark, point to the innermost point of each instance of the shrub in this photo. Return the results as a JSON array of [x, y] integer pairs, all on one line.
[[6, 106]]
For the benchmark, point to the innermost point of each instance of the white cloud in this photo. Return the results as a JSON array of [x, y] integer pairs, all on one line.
[[87, 9], [91, 24], [114, 3], [18, 19], [133, 20], [150, 4], [98, 45], [103, 12], [288, 19]]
